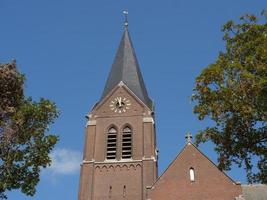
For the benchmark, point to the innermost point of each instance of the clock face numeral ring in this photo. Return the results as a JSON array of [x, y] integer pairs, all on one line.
[[120, 105]]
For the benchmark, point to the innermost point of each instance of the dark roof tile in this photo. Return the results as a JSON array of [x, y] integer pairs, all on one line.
[[125, 68]]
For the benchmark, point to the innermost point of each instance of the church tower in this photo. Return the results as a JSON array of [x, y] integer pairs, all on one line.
[[120, 155]]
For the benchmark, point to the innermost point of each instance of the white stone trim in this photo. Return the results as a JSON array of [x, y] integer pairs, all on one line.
[[121, 83], [88, 161], [151, 158], [118, 161], [148, 120], [91, 123]]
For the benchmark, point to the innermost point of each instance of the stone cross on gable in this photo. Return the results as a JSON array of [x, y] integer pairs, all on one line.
[[188, 137]]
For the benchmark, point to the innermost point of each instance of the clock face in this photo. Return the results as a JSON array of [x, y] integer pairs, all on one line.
[[120, 105]]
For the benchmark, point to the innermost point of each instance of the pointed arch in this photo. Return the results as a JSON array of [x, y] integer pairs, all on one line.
[[131, 166], [111, 167], [112, 135], [125, 167], [127, 142], [138, 166]]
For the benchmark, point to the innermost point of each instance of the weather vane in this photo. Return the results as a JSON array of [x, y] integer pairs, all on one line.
[[125, 12]]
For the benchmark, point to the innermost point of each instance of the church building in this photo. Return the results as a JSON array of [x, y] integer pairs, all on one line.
[[120, 160]]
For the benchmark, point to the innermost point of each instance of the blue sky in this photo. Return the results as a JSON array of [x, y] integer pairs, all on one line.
[[66, 48]]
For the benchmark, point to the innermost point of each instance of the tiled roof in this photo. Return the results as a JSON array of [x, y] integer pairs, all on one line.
[[254, 192], [125, 68]]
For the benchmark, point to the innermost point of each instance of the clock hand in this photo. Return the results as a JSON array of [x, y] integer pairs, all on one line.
[[120, 102]]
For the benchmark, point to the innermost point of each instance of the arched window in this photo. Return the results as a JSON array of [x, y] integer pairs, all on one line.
[[110, 192], [124, 191], [111, 143], [192, 174], [126, 143]]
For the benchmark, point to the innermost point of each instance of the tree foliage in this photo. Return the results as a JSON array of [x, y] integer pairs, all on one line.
[[24, 144], [232, 92]]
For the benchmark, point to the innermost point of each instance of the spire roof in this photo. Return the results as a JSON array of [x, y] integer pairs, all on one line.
[[125, 68]]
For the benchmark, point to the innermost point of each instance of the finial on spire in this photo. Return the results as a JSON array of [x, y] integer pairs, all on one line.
[[125, 12], [188, 137]]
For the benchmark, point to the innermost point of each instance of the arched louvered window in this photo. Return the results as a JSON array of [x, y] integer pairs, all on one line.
[[192, 174], [111, 143], [127, 143]]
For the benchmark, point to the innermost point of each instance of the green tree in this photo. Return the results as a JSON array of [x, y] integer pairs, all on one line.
[[24, 144], [232, 92]]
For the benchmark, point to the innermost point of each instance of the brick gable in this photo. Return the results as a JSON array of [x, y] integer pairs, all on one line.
[[210, 183]]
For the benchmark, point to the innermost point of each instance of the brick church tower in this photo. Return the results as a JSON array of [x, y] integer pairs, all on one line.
[[120, 156]]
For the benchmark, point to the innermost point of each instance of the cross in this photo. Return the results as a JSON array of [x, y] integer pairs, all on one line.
[[188, 137], [125, 12]]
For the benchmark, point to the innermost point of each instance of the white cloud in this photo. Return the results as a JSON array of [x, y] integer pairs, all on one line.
[[65, 161]]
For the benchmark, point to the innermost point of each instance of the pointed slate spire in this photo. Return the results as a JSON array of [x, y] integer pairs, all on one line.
[[125, 68]]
